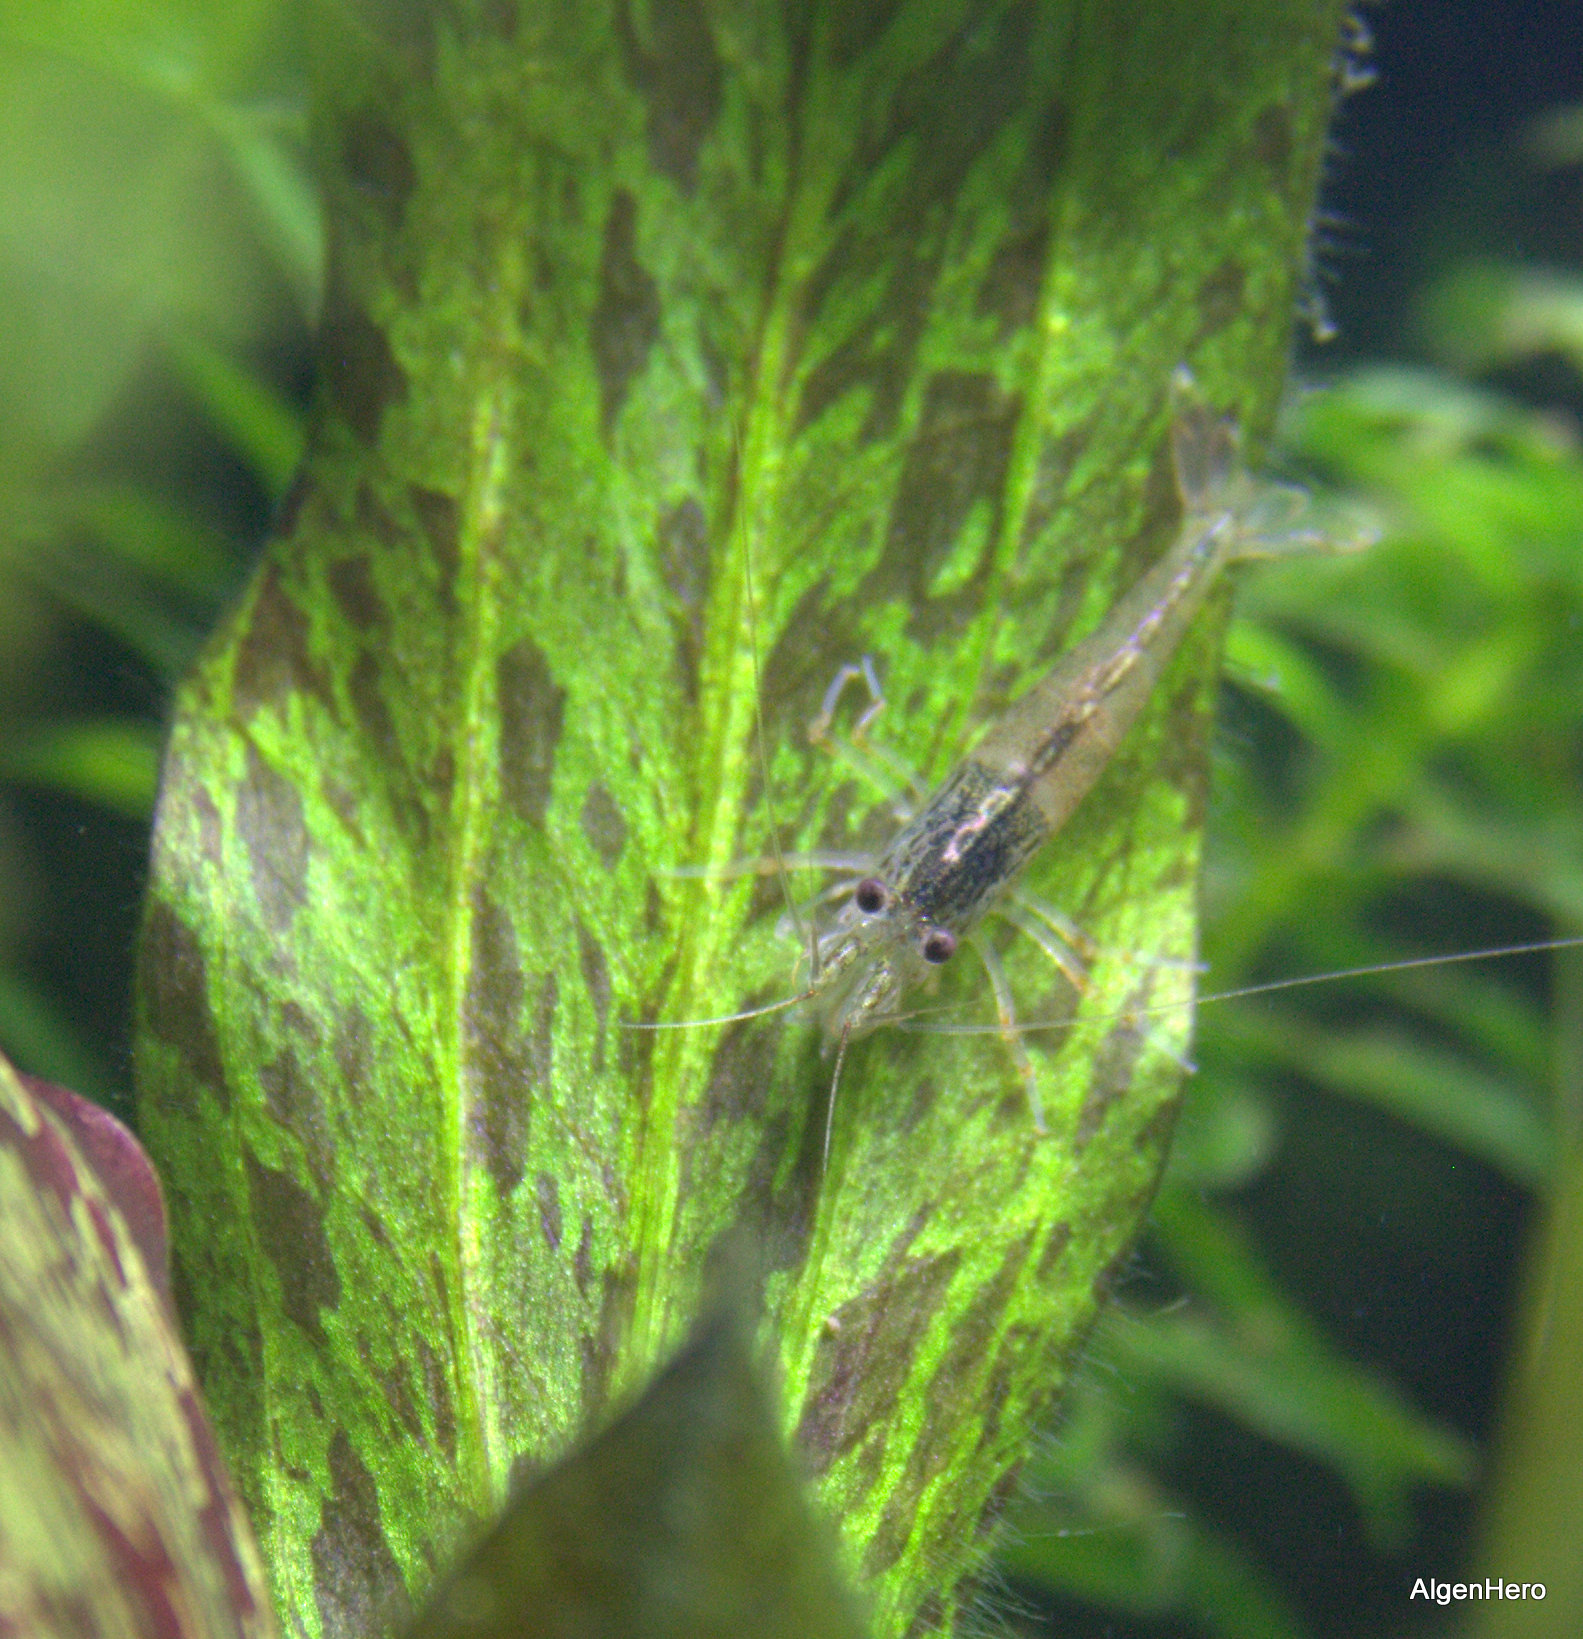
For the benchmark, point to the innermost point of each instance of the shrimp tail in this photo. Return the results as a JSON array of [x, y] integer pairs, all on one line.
[[1267, 519]]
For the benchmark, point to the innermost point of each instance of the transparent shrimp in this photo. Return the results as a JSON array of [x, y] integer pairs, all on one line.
[[966, 847]]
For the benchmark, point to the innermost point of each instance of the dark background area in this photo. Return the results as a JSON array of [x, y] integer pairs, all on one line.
[[1430, 162]]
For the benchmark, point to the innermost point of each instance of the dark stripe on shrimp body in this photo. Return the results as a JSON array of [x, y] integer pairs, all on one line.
[[951, 860]]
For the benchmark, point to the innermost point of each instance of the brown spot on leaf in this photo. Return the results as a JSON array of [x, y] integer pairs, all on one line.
[[740, 1075], [998, 1501], [684, 553], [876, 355], [954, 104], [378, 164], [376, 522], [1048, 149], [366, 688], [864, 1358], [1014, 279], [541, 1044], [174, 983], [350, 1047], [582, 1259], [531, 709], [345, 803], [626, 318], [352, 586], [397, 1389], [510, 1057], [928, 1619], [500, 18], [356, 365], [1153, 1137], [270, 825], [293, 1101], [1056, 1243], [1105, 1281], [272, 649], [441, 520], [357, 1584], [950, 1401], [603, 825], [497, 1063], [289, 1225], [684, 562], [439, 781], [296, 1021], [955, 461], [677, 73], [1220, 298], [437, 1388], [1017, 1349], [853, 29], [601, 1349], [773, 1205], [289, 508], [596, 980], [944, 116], [549, 1193], [211, 847], [1272, 137], [1113, 1066]]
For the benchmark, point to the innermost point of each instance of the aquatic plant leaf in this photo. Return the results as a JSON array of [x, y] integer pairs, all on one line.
[[683, 1520], [670, 356], [116, 1514]]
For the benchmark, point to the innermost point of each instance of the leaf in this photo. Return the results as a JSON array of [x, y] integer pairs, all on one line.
[[122, 1170], [115, 763], [116, 1515], [153, 536], [627, 314], [252, 418], [1157, 1564], [109, 596], [1094, 1525], [684, 1518]]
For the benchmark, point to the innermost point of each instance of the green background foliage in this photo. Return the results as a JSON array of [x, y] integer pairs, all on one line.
[[1385, 811]]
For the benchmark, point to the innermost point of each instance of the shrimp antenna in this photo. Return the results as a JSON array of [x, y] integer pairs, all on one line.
[[1530, 949], [719, 1018], [829, 1113], [1533, 948]]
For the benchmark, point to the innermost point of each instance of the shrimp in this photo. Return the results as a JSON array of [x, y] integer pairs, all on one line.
[[964, 848], [970, 841]]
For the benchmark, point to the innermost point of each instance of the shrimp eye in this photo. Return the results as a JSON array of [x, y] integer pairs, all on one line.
[[870, 896], [939, 945]]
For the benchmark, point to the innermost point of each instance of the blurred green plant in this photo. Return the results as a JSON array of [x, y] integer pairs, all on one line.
[[159, 232]]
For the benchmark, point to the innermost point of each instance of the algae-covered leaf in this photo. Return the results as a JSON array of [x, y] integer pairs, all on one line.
[[674, 358], [682, 1520]]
